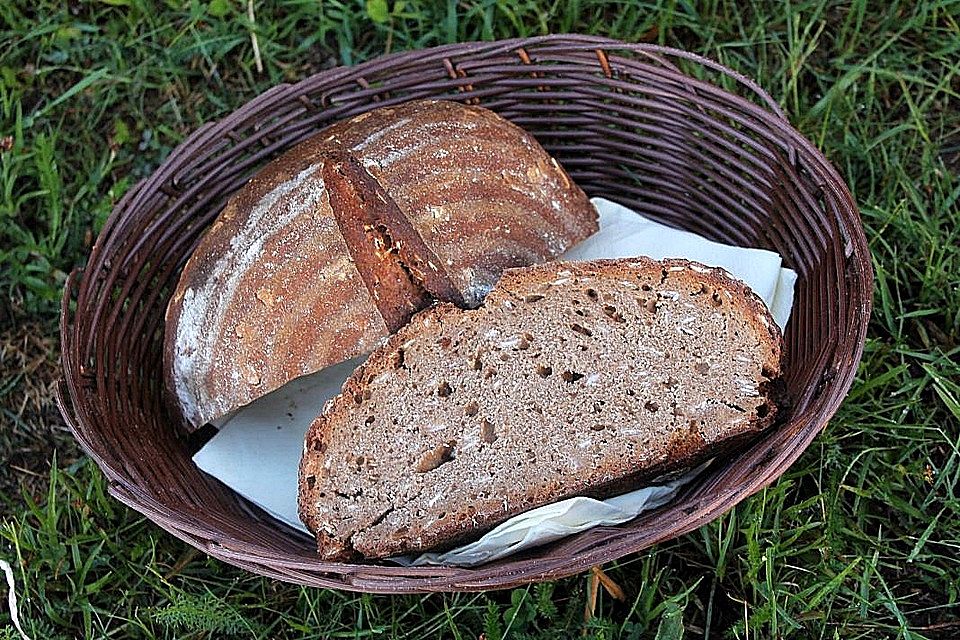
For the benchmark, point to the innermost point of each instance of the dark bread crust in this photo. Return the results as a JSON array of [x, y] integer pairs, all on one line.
[[684, 448], [398, 240], [362, 211], [303, 303]]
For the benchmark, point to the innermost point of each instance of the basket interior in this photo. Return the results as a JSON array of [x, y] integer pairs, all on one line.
[[626, 124]]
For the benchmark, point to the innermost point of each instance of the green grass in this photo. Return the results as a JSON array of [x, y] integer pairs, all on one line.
[[859, 539]]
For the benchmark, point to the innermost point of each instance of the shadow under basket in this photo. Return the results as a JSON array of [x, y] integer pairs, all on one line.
[[676, 137]]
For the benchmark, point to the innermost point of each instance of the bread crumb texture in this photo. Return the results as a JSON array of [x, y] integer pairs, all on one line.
[[571, 379]]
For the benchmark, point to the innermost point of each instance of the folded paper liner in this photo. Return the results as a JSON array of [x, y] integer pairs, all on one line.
[[257, 450]]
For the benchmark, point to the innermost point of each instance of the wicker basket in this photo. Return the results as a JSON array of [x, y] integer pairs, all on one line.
[[634, 123]]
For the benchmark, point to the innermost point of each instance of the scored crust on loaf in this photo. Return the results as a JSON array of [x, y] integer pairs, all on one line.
[[571, 379], [330, 248]]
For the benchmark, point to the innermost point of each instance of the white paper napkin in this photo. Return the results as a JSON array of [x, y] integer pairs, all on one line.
[[257, 450]]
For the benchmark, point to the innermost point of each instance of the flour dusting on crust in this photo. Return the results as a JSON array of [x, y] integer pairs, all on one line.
[[204, 307]]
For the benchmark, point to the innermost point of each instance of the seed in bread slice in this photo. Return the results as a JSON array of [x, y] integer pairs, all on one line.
[[572, 379]]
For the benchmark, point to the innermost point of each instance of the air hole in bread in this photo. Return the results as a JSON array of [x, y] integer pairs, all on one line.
[[370, 420], [763, 410], [571, 376], [650, 305], [444, 389], [611, 312], [398, 360], [767, 372], [646, 287], [592, 294], [702, 367], [471, 409], [715, 299], [579, 328], [445, 342], [597, 427], [311, 481], [533, 297], [734, 406], [652, 407], [544, 371], [489, 372]]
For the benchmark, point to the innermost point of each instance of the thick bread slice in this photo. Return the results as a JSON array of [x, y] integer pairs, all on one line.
[[572, 379]]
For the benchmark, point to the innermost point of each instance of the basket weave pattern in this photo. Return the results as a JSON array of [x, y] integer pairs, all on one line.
[[633, 123]]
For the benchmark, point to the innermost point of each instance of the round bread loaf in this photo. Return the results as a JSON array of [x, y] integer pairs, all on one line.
[[334, 245]]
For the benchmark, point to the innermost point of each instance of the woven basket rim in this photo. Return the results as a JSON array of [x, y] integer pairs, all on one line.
[[389, 579]]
